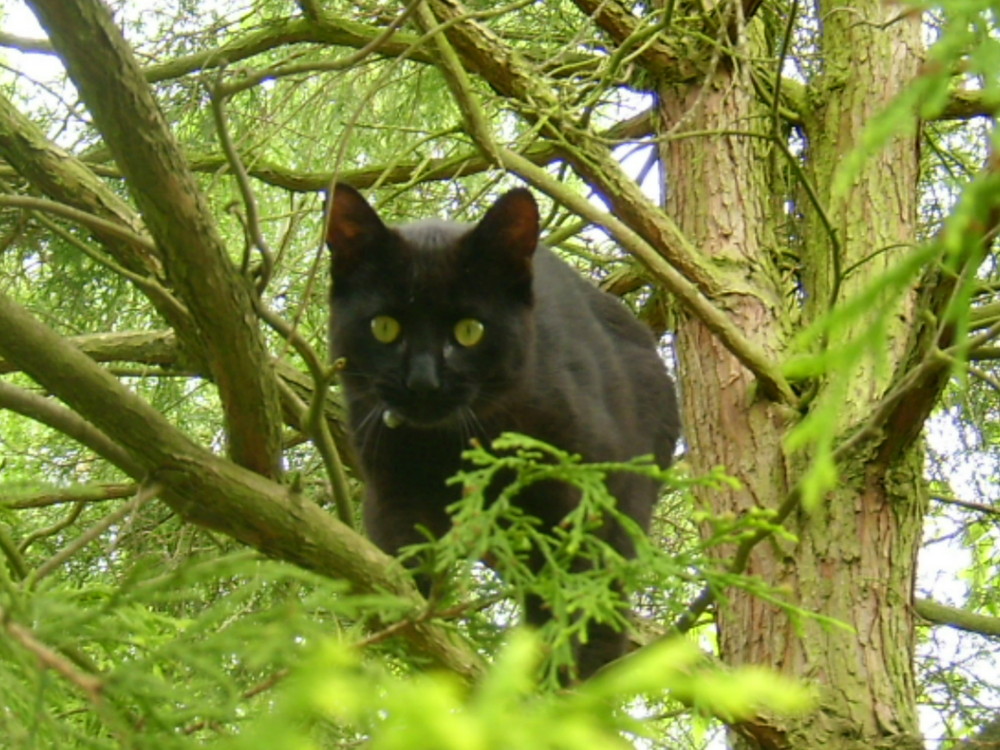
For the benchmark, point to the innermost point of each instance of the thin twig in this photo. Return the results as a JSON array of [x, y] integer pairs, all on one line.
[[89, 220], [978, 507], [89, 685], [313, 419], [252, 226], [62, 523], [147, 491]]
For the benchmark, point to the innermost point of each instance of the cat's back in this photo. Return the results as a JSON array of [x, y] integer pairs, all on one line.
[[601, 366], [573, 310]]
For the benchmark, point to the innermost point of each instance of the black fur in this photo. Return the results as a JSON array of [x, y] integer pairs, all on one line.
[[559, 360]]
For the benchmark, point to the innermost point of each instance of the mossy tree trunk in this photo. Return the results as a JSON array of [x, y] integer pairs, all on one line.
[[856, 553]]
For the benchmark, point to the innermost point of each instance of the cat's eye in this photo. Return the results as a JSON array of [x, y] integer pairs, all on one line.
[[469, 331], [385, 328]]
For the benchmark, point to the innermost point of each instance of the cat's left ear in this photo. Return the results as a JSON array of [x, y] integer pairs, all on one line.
[[352, 227], [510, 228]]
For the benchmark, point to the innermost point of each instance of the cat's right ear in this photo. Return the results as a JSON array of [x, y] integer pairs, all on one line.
[[352, 228], [508, 232]]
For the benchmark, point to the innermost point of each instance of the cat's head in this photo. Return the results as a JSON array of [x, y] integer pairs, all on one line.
[[432, 318]]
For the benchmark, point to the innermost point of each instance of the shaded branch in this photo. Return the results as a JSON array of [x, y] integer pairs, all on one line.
[[19, 499]]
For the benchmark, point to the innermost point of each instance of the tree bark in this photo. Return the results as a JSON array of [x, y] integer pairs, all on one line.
[[855, 558]]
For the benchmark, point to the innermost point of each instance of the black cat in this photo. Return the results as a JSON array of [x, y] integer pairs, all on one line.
[[452, 331]]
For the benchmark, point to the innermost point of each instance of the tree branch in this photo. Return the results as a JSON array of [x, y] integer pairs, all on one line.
[[18, 499], [177, 215], [325, 30], [960, 619], [146, 347], [670, 59], [91, 686], [978, 507], [100, 227], [66, 179]]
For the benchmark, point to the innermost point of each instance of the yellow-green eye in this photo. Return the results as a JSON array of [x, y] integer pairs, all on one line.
[[385, 328], [469, 331]]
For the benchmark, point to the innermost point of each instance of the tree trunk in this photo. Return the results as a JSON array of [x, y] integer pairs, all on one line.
[[855, 558]]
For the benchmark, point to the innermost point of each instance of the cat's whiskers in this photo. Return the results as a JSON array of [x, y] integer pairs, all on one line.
[[478, 430], [369, 429], [496, 406], [468, 427]]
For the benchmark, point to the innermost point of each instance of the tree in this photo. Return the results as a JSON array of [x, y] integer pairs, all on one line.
[[823, 258]]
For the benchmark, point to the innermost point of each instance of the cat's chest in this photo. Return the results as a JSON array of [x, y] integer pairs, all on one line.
[[425, 457]]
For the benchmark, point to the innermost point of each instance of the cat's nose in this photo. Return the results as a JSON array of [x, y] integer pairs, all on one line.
[[423, 375]]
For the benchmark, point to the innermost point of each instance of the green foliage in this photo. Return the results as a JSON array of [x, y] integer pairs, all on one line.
[[177, 653], [581, 575], [433, 710], [160, 660]]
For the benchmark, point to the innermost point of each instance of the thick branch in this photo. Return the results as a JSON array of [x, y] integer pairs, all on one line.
[[177, 215], [670, 60], [161, 348], [148, 348]]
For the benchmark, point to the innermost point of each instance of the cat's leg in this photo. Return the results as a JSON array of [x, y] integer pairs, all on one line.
[[604, 642], [394, 523]]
